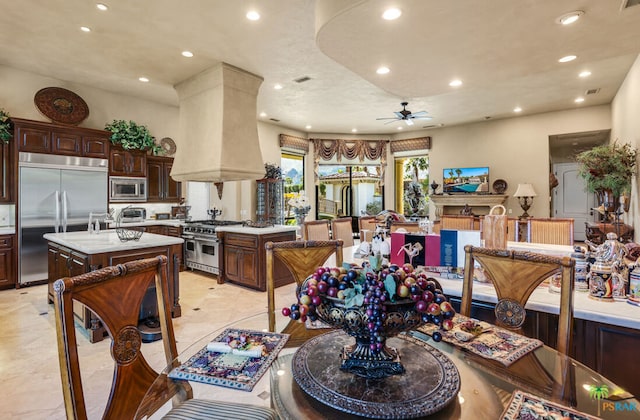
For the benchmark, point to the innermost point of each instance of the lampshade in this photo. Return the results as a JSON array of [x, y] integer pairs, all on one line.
[[525, 190]]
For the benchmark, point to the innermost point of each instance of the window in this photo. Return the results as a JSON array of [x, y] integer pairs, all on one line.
[[412, 185], [293, 175], [348, 190]]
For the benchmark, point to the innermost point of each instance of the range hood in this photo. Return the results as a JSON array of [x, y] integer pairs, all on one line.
[[218, 128]]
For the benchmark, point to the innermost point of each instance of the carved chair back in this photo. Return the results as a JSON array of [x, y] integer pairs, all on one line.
[[515, 275]]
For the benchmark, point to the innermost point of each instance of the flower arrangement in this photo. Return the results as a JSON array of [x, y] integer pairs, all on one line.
[[130, 135], [608, 167], [5, 126]]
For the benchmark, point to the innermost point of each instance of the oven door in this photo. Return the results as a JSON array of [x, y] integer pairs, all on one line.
[[189, 248], [207, 253]]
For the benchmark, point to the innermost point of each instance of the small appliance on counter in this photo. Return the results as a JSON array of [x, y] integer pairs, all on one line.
[[180, 212], [163, 216], [133, 215]]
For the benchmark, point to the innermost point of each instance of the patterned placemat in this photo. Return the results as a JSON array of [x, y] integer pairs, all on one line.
[[491, 342], [231, 370], [527, 406]]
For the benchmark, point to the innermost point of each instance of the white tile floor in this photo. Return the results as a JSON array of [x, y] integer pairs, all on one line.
[[30, 385]]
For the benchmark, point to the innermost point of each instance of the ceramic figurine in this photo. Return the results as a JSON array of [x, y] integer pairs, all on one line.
[[634, 285], [582, 268], [607, 275]]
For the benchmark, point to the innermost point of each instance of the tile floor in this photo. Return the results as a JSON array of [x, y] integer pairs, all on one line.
[[30, 385]]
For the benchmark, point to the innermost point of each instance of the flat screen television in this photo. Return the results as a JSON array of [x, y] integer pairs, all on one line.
[[466, 180]]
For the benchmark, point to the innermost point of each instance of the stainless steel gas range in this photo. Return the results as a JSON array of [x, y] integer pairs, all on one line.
[[202, 245]]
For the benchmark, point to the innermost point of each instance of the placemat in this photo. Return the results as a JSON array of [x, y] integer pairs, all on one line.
[[492, 342], [527, 406], [230, 370]]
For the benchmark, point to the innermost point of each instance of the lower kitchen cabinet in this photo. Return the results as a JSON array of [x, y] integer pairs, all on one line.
[[244, 259], [65, 262], [607, 349], [7, 262]]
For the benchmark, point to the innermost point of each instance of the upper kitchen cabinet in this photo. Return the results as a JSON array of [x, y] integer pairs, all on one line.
[[161, 187], [7, 172], [43, 137], [127, 162]]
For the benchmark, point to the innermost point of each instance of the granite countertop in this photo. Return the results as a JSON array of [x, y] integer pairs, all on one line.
[[7, 230], [108, 241], [150, 222]]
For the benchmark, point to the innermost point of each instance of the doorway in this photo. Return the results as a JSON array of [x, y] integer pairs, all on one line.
[[570, 199]]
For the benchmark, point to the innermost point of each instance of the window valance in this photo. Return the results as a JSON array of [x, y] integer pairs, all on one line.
[[293, 142], [326, 149], [419, 143]]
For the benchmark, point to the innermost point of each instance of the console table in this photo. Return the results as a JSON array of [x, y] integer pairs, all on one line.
[[485, 201], [597, 232]]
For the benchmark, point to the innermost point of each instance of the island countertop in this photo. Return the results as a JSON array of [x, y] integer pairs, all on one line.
[[108, 241], [255, 230]]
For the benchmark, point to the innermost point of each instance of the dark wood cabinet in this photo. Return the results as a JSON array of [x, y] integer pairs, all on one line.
[[166, 230], [127, 162], [7, 262], [244, 259], [161, 187], [66, 262], [42, 137], [7, 172]]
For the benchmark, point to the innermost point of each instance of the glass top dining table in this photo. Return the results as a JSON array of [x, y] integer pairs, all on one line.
[[486, 386]]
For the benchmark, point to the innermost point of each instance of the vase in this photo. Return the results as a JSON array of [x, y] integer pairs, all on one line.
[[300, 215], [607, 200]]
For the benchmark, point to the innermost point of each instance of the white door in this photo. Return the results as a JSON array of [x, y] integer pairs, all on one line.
[[571, 199]]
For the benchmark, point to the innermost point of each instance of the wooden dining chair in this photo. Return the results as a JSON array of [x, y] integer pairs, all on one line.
[[550, 231], [115, 294], [342, 228], [515, 275], [367, 226], [302, 258], [410, 227], [458, 222], [316, 230]]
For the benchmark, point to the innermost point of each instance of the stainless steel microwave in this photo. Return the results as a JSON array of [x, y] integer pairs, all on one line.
[[127, 189]]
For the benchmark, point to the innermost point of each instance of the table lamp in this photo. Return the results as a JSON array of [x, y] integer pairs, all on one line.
[[525, 194]]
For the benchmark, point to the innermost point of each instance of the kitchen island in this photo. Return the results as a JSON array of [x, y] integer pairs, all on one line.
[[74, 253], [244, 260]]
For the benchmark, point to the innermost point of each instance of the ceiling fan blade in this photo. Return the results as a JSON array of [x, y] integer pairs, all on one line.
[[418, 114], [394, 120], [408, 121], [400, 115], [391, 118], [422, 118]]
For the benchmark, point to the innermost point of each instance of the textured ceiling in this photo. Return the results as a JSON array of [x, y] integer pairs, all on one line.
[[505, 52]]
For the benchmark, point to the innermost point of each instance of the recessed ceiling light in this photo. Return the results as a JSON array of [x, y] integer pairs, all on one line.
[[263, 114], [383, 70], [85, 29], [455, 83], [391, 14], [253, 15], [354, 130], [400, 128], [308, 127], [567, 58], [143, 79], [102, 6], [277, 86], [517, 109], [569, 18], [187, 54], [585, 73], [579, 100]]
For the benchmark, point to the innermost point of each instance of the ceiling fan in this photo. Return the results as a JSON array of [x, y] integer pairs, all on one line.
[[406, 115]]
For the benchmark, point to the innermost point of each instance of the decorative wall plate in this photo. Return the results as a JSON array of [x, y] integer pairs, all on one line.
[[168, 145], [500, 186], [61, 105]]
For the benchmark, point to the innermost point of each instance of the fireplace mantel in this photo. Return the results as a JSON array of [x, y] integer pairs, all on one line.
[[441, 201]]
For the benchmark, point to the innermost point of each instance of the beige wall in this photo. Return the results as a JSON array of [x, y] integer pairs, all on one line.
[[515, 149], [18, 88], [626, 128]]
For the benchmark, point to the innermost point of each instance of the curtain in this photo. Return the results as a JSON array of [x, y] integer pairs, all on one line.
[[326, 149]]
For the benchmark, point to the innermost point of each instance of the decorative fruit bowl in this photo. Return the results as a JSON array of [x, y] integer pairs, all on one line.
[[371, 304]]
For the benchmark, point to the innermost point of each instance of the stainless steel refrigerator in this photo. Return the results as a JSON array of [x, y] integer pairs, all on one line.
[[57, 193]]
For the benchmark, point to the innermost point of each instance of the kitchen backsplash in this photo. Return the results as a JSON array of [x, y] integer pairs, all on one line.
[[7, 215], [152, 208]]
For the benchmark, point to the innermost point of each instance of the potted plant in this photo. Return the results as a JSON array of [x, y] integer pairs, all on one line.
[[131, 136], [608, 170], [6, 128]]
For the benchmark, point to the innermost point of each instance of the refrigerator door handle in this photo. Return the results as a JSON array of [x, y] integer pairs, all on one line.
[[65, 213], [57, 222]]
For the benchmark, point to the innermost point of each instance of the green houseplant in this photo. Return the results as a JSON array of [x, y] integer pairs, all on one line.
[[6, 128], [131, 136], [607, 170]]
